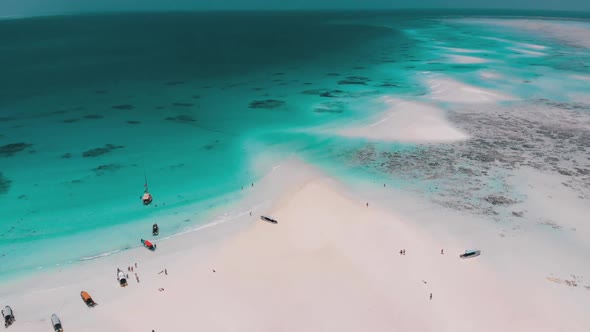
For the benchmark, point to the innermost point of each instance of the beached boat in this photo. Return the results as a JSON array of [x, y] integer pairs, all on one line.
[[268, 219], [470, 253], [148, 244], [8, 316], [146, 197], [57, 326], [122, 278], [87, 299], [155, 230]]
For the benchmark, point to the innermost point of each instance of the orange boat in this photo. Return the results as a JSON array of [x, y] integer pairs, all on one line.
[[87, 299]]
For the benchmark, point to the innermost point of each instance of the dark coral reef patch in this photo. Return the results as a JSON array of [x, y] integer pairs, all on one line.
[[100, 151], [182, 118], [4, 184], [123, 107], [267, 104], [11, 149], [100, 170]]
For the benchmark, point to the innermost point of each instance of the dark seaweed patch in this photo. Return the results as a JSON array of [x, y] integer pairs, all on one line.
[[354, 80], [9, 150], [267, 104], [101, 92], [4, 184], [334, 107], [73, 120], [93, 116], [100, 170], [160, 107], [123, 107], [100, 151], [326, 93], [66, 156], [6, 119], [133, 122], [196, 97], [332, 74], [183, 104], [358, 67], [278, 74], [182, 118]]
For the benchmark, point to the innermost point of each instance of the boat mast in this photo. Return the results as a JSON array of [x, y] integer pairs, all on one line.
[[146, 183]]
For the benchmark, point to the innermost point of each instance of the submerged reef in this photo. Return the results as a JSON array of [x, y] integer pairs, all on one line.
[[11, 149], [330, 107], [100, 170], [267, 104], [553, 138], [354, 80], [182, 118], [123, 107], [4, 184], [100, 151], [73, 120], [133, 122], [93, 116]]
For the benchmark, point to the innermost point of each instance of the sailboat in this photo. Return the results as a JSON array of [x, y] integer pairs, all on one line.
[[146, 197]]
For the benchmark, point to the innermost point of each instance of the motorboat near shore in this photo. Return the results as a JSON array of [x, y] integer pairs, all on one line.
[[122, 278], [8, 316], [155, 230], [56, 323], [87, 299], [148, 244], [268, 219], [470, 253]]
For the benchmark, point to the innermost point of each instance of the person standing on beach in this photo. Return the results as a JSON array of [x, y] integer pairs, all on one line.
[[442, 252], [165, 271], [431, 296]]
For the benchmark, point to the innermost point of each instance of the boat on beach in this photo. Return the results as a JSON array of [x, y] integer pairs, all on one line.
[[8, 316], [470, 253], [122, 278], [148, 244], [268, 219], [87, 299], [155, 230], [56, 323]]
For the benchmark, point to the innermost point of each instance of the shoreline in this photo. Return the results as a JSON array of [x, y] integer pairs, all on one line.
[[328, 246]]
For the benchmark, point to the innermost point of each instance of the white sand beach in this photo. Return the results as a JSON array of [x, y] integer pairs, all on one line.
[[331, 263]]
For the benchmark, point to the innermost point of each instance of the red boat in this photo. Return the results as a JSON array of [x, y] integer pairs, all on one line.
[[148, 244]]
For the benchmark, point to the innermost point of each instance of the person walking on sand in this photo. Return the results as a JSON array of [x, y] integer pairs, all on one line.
[[442, 251], [165, 271], [431, 296], [401, 252], [367, 204]]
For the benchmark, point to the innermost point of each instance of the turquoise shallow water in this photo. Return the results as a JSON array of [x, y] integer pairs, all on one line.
[[90, 103]]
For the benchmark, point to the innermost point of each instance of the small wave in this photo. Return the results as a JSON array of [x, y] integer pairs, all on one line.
[[101, 255]]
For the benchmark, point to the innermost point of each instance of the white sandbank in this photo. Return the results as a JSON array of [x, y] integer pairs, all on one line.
[[461, 50], [526, 52], [449, 90], [330, 264], [407, 121], [465, 59]]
